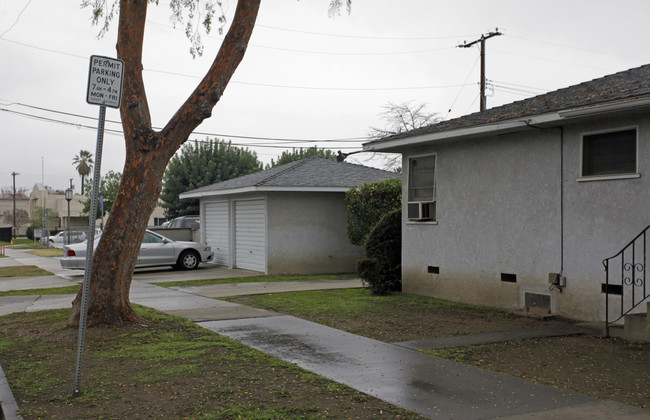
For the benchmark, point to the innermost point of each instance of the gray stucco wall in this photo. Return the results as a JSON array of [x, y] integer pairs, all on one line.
[[499, 202], [496, 208], [307, 234], [601, 217]]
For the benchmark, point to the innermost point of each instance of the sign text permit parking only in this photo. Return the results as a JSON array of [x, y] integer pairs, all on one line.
[[105, 81]]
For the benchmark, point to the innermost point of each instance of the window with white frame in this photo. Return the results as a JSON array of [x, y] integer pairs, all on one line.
[[610, 153], [421, 205]]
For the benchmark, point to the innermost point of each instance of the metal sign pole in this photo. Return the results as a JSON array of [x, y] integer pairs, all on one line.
[[90, 245], [105, 76]]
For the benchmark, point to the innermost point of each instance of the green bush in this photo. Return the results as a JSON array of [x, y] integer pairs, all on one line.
[[368, 270], [381, 270], [368, 203], [30, 233]]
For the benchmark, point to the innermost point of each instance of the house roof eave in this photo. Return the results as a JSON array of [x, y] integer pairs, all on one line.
[[455, 134], [261, 189], [500, 127]]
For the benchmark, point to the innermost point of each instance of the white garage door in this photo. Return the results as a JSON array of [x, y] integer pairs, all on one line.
[[250, 234], [217, 234]]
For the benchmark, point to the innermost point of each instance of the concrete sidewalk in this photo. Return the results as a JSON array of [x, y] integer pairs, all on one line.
[[431, 386]]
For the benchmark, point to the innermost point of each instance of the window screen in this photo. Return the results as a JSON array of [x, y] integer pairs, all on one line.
[[609, 153], [421, 178]]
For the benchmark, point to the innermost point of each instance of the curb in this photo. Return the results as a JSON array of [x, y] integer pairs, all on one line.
[[8, 406]]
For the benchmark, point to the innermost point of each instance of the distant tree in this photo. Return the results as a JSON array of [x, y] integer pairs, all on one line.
[[8, 192], [108, 186], [84, 162], [37, 220], [368, 203], [400, 118], [297, 154], [199, 164], [21, 217]]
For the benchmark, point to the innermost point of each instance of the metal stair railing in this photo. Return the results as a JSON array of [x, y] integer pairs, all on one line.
[[625, 279]]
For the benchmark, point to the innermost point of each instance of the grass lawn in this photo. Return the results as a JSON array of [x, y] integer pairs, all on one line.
[[256, 279], [169, 368], [19, 241], [67, 290], [23, 243], [23, 271], [47, 252]]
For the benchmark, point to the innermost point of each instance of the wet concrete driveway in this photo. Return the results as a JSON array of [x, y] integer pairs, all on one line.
[[429, 385]]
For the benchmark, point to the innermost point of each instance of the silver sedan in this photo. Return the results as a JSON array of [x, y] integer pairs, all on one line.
[[156, 250]]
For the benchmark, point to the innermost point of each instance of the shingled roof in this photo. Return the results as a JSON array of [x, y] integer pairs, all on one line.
[[626, 85], [310, 174]]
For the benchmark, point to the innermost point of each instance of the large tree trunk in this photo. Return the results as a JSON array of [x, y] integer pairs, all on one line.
[[147, 155]]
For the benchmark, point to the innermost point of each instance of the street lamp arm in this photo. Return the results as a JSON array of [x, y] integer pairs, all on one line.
[[340, 157]]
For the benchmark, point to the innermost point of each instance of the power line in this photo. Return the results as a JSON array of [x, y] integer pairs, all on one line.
[[17, 19], [283, 139], [461, 89], [599, 52], [513, 89], [24, 44], [323, 88], [270, 85], [354, 53], [360, 54], [277, 143], [550, 60], [539, 90], [381, 38]]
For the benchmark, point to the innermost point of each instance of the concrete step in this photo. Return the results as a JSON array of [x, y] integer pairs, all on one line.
[[636, 327]]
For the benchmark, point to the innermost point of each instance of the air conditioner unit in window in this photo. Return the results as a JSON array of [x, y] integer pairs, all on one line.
[[421, 211]]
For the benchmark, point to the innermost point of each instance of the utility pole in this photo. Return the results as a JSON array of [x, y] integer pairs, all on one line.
[[13, 174], [482, 40]]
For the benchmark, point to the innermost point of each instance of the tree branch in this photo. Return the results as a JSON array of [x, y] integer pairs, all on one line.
[[200, 103]]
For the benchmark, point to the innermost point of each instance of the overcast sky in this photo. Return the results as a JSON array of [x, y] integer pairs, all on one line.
[[307, 79]]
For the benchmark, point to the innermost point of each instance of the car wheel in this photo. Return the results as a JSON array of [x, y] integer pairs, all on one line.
[[189, 260]]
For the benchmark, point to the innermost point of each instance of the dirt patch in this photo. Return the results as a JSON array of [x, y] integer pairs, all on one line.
[[405, 325], [604, 368], [404, 318]]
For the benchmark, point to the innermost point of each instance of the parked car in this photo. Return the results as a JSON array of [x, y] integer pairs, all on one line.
[[61, 238], [156, 250], [185, 222]]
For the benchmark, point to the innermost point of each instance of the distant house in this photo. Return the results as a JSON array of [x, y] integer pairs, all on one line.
[[290, 219], [499, 205], [57, 204]]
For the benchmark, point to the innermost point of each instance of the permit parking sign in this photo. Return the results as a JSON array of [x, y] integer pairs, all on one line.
[[105, 81]]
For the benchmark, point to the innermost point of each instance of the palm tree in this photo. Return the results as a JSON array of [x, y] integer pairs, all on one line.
[[84, 162]]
